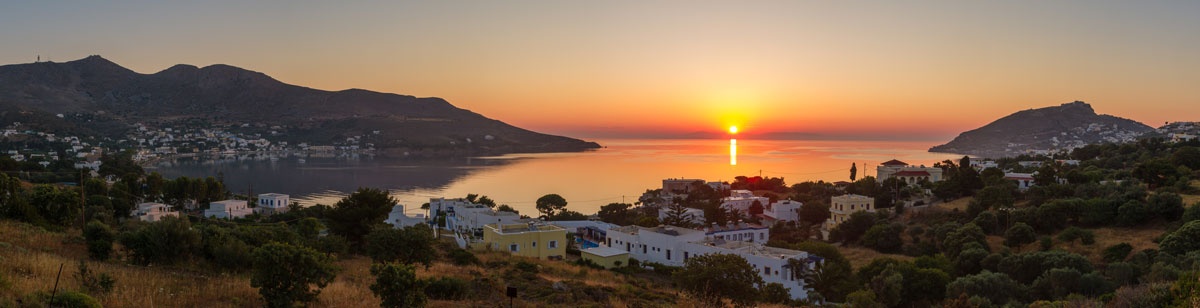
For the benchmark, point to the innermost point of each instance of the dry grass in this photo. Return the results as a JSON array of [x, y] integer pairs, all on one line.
[[861, 256], [32, 256], [960, 204], [32, 261], [1140, 238]]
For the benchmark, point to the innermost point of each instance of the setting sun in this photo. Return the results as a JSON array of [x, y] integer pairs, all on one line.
[[733, 129]]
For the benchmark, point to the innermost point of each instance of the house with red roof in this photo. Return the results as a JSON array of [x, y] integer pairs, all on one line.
[[907, 173]]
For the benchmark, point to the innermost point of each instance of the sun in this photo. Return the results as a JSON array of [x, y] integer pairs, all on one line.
[[732, 129]]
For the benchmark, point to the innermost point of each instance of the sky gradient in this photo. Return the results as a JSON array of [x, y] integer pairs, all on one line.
[[911, 70]]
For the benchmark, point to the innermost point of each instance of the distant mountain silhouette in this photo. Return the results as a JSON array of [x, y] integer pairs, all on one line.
[[1069, 125], [223, 94]]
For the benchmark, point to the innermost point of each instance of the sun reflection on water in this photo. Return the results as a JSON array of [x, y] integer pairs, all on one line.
[[733, 152]]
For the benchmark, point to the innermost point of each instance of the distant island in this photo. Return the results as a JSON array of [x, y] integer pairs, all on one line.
[[1044, 130], [222, 108]]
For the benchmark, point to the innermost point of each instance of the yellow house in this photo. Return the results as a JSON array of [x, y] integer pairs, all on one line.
[[605, 256], [840, 208], [538, 240]]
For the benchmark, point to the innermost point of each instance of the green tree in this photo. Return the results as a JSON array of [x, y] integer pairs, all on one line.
[[1187, 156], [1087, 237], [551, 203], [996, 287], [853, 228], [1132, 213], [1019, 235], [355, 215], [286, 275], [99, 238], [1155, 172], [775, 293], [1117, 253], [1182, 241], [813, 213], [1046, 175], [833, 277], [617, 214], [963, 238], [411, 245], [397, 286], [163, 241], [677, 215], [1167, 205], [713, 278], [888, 287], [884, 238]]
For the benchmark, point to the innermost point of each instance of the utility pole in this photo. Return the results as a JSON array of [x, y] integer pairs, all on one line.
[[82, 202]]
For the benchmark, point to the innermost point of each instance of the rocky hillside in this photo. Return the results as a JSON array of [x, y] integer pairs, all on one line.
[[1069, 125], [101, 91]]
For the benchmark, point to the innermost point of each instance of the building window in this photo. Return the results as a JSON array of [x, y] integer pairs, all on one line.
[[668, 254], [534, 244], [643, 249], [553, 244], [761, 235], [514, 248], [685, 255], [767, 270]]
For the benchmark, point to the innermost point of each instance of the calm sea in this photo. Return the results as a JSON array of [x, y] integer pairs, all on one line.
[[621, 171]]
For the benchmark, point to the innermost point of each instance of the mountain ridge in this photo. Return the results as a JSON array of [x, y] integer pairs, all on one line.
[[1065, 126], [222, 94]]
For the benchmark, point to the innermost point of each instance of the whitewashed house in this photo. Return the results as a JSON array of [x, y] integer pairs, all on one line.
[[400, 220], [673, 246], [742, 200], [782, 210], [272, 203], [228, 209], [152, 212], [1024, 180], [464, 216], [907, 173]]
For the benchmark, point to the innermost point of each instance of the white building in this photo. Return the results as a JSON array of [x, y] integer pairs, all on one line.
[[1030, 163], [464, 216], [672, 246], [783, 210], [1024, 180], [906, 173], [741, 200], [228, 208], [152, 212], [400, 220], [983, 163], [270, 204]]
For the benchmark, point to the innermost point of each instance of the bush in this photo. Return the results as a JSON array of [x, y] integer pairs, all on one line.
[[1046, 242], [1087, 237], [1019, 235], [884, 238], [1132, 213], [286, 274], [397, 286], [447, 288], [162, 241], [775, 293], [95, 283], [63, 298], [462, 257], [1117, 253], [996, 287], [99, 238], [413, 244], [1184, 240], [1167, 205]]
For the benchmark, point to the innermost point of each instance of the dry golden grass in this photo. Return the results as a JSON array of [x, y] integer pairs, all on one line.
[[861, 256], [960, 204], [32, 261], [1140, 238]]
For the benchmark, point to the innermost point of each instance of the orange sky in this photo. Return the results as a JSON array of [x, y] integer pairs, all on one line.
[[924, 69]]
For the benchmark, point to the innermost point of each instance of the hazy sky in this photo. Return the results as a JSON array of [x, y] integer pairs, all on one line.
[[630, 68]]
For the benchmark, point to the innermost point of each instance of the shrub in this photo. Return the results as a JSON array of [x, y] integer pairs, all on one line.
[[1087, 237], [1046, 242], [397, 286], [162, 241], [884, 238], [287, 274], [95, 283], [1117, 253], [1019, 235], [99, 238], [447, 288], [1184, 240], [462, 257], [63, 298], [413, 244], [996, 287]]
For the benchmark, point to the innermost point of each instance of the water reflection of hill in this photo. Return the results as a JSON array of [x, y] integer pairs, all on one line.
[[302, 175]]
